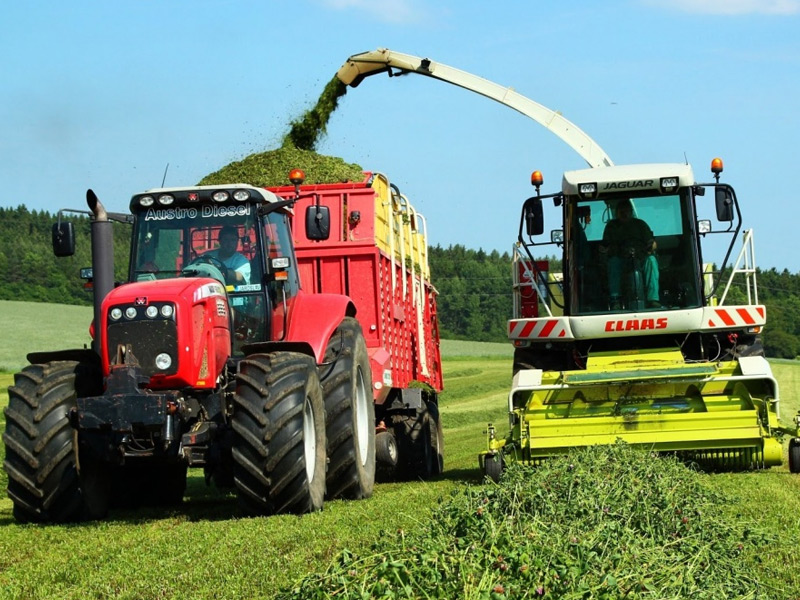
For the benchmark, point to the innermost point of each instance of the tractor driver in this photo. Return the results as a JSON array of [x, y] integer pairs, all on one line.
[[238, 267], [629, 242]]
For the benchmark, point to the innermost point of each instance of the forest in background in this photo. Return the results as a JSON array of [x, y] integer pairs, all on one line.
[[474, 286]]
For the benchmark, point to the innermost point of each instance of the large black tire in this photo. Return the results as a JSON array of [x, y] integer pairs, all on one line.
[[279, 435], [421, 443], [43, 479], [436, 439], [350, 413], [493, 467], [794, 455]]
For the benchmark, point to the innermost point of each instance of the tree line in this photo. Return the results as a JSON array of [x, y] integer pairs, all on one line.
[[474, 286]]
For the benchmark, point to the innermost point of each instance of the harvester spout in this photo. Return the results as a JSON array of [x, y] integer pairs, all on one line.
[[102, 260], [383, 60]]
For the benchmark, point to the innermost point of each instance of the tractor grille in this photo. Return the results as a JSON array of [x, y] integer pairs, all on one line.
[[148, 338]]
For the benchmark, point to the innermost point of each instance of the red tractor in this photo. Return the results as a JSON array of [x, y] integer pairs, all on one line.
[[220, 353]]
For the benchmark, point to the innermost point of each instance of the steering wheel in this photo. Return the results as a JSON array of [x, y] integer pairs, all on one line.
[[213, 267], [210, 260]]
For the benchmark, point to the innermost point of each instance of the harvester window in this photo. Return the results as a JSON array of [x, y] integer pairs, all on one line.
[[631, 254]]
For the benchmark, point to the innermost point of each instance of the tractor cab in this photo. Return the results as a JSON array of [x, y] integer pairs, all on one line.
[[631, 239], [237, 235]]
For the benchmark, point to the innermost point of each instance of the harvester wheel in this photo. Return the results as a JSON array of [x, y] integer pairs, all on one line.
[[43, 480], [493, 467], [279, 434], [350, 413], [794, 455]]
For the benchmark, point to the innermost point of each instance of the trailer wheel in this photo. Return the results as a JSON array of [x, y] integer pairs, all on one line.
[[279, 434], [421, 442], [794, 455], [350, 412], [43, 480], [436, 439], [493, 467], [386, 449]]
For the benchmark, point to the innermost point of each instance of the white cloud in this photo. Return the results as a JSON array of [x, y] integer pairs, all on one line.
[[390, 11], [731, 7]]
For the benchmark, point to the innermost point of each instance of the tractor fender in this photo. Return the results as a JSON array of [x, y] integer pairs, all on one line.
[[314, 318]]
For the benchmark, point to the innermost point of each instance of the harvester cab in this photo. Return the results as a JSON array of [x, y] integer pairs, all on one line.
[[637, 339]]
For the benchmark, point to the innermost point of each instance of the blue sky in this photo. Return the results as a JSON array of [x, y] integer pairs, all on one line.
[[105, 94]]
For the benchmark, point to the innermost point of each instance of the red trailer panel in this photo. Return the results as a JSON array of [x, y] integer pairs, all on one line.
[[377, 255]]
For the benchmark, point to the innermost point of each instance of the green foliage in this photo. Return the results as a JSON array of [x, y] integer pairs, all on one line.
[[604, 522], [30, 272], [474, 301]]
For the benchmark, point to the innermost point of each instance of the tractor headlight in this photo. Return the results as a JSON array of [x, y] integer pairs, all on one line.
[[163, 361], [151, 311], [115, 314], [130, 313], [167, 311]]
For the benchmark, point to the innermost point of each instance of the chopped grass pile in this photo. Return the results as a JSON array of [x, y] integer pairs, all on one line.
[[606, 522], [271, 168]]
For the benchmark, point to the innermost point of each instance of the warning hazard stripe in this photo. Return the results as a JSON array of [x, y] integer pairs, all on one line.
[[536, 328], [736, 316]]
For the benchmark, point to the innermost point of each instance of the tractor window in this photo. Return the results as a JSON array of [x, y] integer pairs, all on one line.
[[631, 254], [282, 286]]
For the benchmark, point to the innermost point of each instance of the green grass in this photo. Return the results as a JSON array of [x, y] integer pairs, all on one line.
[[37, 326], [203, 550]]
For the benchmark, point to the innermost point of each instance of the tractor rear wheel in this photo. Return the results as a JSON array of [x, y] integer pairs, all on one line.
[[279, 434], [350, 412], [43, 479]]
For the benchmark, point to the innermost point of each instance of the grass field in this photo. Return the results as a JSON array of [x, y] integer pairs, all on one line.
[[203, 550]]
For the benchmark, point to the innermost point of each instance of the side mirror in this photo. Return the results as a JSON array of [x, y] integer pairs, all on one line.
[[63, 238], [534, 217], [318, 222], [724, 202]]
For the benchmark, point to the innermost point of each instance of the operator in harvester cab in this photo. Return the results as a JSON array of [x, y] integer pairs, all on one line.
[[238, 267], [629, 244]]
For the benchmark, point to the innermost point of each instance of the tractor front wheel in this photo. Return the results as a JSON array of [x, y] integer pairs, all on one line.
[[350, 411], [43, 480], [279, 435]]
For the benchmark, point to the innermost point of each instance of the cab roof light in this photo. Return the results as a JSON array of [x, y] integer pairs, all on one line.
[[146, 201], [587, 190], [297, 177], [716, 167], [668, 184], [537, 179], [241, 195], [220, 196], [166, 199]]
